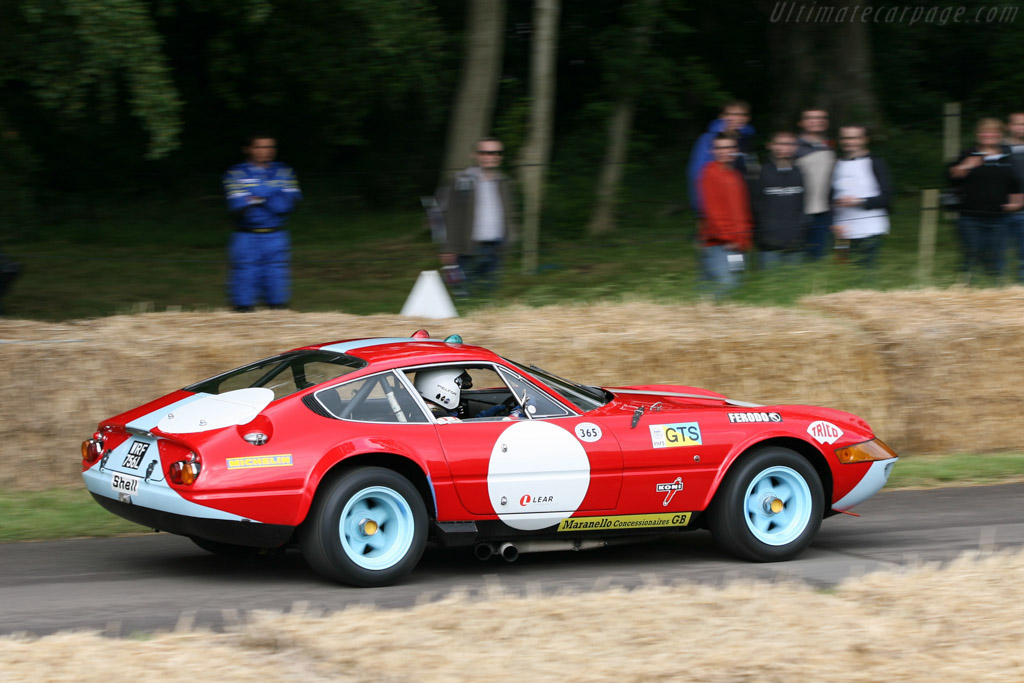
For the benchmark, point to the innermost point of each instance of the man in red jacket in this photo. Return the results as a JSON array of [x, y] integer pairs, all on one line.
[[725, 229]]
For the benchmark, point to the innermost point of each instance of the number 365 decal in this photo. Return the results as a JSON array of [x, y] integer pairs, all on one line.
[[588, 431]]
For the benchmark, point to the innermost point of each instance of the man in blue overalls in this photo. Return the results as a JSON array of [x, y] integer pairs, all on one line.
[[261, 193]]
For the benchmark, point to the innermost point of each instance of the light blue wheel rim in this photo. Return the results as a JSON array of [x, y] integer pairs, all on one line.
[[391, 514], [788, 486]]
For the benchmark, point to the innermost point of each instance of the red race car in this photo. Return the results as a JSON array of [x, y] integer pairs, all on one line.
[[359, 452]]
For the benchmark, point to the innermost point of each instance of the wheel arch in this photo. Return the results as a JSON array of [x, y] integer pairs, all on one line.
[[806, 450], [401, 464]]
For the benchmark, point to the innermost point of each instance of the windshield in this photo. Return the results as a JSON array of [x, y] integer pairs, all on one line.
[[580, 395], [284, 374]]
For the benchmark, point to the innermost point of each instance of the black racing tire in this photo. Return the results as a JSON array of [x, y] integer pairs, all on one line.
[[228, 550], [769, 507], [366, 528]]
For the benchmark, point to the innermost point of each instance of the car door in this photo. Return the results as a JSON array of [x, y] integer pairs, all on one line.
[[535, 470]]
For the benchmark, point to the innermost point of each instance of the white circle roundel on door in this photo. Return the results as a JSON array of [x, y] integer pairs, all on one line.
[[540, 472]]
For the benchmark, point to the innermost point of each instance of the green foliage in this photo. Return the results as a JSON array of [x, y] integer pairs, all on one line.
[[75, 54]]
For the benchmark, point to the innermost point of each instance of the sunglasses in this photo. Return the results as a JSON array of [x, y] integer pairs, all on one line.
[[490, 152]]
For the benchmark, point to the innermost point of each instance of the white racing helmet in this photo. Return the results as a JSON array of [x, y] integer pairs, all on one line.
[[442, 387]]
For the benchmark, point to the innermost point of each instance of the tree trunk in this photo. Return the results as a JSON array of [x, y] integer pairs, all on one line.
[[854, 93], [537, 150], [620, 130], [478, 83], [620, 126]]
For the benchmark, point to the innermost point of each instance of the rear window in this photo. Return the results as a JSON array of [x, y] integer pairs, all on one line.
[[284, 374]]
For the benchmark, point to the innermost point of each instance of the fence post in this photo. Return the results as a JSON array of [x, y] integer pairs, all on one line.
[[951, 132], [926, 235]]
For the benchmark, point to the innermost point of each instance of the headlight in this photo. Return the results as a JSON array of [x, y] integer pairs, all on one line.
[[869, 451]]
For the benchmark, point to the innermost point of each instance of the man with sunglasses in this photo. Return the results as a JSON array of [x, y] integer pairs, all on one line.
[[480, 219]]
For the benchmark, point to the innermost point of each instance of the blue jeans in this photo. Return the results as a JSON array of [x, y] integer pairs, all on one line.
[[259, 268], [1015, 223], [818, 234], [720, 274], [984, 243], [770, 259], [864, 250], [482, 268]]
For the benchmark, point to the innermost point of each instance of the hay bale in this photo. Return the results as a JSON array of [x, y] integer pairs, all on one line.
[[954, 359], [61, 379]]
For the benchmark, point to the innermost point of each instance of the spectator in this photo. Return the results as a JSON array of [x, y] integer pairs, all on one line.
[[777, 199], [815, 158], [861, 195], [481, 219], [734, 123], [988, 192], [261, 193], [724, 230], [1015, 141]]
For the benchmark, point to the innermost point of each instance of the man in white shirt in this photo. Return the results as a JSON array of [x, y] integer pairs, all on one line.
[[861, 195], [480, 219]]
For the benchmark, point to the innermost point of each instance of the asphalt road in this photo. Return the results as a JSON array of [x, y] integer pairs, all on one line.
[[122, 586]]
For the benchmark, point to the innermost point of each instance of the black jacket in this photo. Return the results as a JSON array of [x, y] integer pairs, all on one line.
[[777, 200]]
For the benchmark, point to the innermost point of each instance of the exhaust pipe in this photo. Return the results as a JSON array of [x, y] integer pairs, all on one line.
[[509, 552], [484, 551]]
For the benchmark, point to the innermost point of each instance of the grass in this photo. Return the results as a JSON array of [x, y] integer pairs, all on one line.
[[154, 256], [63, 513], [57, 513]]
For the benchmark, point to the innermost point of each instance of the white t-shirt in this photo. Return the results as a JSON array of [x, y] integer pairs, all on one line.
[[854, 178], [488, 214]]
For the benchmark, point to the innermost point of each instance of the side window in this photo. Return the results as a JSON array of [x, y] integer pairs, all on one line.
[[381, 398], [483, 394], [536, 402]]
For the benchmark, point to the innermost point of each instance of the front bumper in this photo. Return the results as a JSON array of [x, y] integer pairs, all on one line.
[[870, 484]]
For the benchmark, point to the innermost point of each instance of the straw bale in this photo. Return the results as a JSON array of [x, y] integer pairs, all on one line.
[[915, 624], [954, 359], [61, 379]]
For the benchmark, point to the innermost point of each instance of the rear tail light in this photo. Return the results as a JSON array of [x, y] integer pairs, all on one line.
[[184, 472], [92, 449]]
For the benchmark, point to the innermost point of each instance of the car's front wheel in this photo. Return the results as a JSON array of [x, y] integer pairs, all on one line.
[[769, 507], [367, 528]]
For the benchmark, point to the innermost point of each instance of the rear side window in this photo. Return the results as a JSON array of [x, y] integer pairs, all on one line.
[[284, 374], [380, 398]]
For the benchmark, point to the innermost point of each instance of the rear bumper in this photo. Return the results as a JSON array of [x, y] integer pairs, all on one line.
[[245, 533]]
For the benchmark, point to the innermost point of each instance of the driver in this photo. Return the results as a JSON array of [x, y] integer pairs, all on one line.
[[442, 389]]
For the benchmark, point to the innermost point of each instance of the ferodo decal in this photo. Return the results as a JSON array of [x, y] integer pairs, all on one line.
[[754, 417], [538, 475], [672, 436], [254, 461], [625, 522], [588, 431], [824, 432]]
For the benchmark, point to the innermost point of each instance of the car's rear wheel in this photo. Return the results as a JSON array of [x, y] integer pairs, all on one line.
[[769, 507], [367, 528]]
